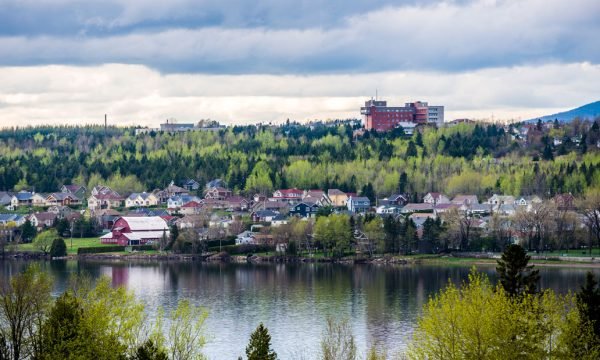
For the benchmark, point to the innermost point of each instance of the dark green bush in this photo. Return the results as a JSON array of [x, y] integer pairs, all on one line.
[[58, 248]]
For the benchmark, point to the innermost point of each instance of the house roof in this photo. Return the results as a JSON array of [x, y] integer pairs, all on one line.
[[285, 192], [44, 216], [59, 196], [417, 207], [9, 217], [146, 223], [73, 188], [360, 199], [265, 213], [23, 195], [461, 199], [334, 192], [143, 195], [191, 204]]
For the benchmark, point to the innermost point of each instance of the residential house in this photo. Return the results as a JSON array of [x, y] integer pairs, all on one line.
[[237, 203], [278, 206], [416, 208], [305, 209], [436, 198], [42, 220], [60, 211], [289, 195], [419, 219], [143, 199], [395, 200], [564, 201], [263, 215], [388, 209], [77, 190], [62, 199], [218, 193], [177, 201], [279, 220], [161, 195], [22, 198], [465, 200], [337, 197], [38, 199], [190, 185], [442, 208], [191, 208], [174, 190], [107, 218], [104, 197], [477, 209], [497, 200], [528, 200], [316, 196], [190, 222], [128, 231], [359, 204], [245, 238], [8, 219], [5, 198]]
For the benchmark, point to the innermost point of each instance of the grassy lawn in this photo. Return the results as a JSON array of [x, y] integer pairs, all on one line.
[[77, 243]]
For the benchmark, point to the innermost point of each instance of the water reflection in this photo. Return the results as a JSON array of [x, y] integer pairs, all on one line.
[[292, 300]]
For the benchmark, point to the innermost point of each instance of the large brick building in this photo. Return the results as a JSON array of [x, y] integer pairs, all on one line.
[[379, 116]]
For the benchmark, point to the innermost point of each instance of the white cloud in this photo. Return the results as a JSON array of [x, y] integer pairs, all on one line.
[[138, 95]]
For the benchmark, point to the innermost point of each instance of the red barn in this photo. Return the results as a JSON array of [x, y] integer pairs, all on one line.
[[136, 231]]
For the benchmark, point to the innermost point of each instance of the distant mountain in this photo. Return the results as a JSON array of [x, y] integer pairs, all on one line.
[[589, 111]]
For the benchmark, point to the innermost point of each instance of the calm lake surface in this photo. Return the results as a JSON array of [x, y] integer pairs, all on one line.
[[293, 301]]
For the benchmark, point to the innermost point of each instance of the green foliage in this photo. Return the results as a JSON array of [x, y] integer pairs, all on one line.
[[259, 346], [28, 231], [516, 276], [24, 303], [334, 234], [43, 241], [58, 248], [588, 303], [479, 321], [149, 351], [185, 332]]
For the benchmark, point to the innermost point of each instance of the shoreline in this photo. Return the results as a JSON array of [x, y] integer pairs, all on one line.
[[387, 260]]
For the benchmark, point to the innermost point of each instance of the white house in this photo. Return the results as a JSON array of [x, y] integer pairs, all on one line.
[[141, 200], [436, 198]]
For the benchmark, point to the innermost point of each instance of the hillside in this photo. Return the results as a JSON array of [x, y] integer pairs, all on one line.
[[589, 111]]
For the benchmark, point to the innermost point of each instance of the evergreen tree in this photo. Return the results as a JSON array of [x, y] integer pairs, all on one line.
[[58, 248], [173, 235], [28, 231], [419, 139], [402, 183], [588, 303], [259, 347], [149, 351], [516, 276], [411, 150], [547, 155]]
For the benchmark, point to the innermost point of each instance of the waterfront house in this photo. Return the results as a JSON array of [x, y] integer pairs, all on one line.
[[42, 220]]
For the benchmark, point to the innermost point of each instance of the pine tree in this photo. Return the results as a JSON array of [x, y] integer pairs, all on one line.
[[58, 248], [411, 150], [259, 347], [516, 276], [588, 303]]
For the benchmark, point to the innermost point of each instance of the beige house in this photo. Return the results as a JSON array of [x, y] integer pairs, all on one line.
[[338, 198], [141, 200]]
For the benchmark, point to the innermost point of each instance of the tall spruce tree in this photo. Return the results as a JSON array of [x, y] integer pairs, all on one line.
[[588, 303], [516, 276], [259, 347]]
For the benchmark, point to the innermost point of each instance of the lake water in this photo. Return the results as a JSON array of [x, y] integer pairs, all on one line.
[[293, 301]]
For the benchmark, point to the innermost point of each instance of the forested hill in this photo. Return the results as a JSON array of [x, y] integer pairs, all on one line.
[[479, 159]]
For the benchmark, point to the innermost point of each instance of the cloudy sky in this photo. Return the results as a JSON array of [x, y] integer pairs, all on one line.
[[239, 61]]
